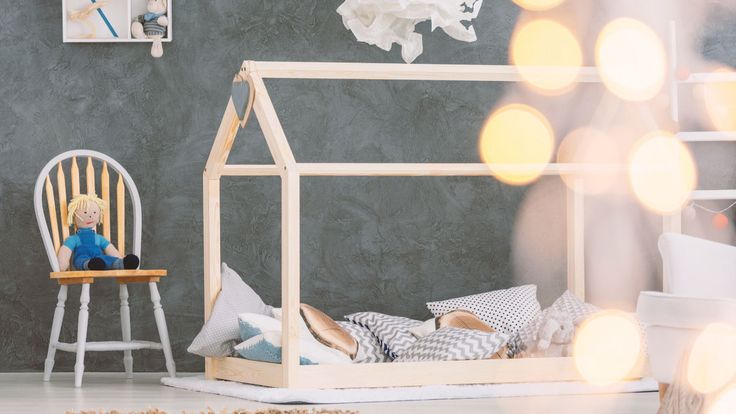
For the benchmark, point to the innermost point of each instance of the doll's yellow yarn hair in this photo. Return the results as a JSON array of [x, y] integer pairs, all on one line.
[[81, 201]]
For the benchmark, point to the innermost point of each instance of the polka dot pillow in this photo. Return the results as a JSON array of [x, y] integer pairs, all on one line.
[[506, 310]]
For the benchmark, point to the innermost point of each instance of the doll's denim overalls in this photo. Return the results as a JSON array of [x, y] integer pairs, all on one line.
[[88, 249]]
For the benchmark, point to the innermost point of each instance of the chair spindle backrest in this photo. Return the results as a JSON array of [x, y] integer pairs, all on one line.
[[54, 238]]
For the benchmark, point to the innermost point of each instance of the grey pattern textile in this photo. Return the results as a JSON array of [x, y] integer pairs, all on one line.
[[506, 310], [454, 344], [392, 331], [578, 310], [221, 331], [370, 349]]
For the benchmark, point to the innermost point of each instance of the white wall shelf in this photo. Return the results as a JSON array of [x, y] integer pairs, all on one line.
[[119, 14]]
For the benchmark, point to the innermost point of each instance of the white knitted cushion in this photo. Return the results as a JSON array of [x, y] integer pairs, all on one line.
[[220, 333], [454, 344], [506, 310]]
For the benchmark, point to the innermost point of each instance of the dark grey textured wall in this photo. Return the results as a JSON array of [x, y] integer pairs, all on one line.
[[385, 244]]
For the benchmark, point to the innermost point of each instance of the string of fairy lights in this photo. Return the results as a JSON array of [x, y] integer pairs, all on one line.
[[720, 220]]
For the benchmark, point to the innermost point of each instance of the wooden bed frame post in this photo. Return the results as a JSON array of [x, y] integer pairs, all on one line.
[[290, 373], [576, 238], [290, 276]]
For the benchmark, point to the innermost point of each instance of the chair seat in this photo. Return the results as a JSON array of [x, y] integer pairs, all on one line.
[[122, 276]]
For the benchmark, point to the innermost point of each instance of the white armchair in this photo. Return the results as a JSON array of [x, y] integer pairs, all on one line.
[[700, 288]]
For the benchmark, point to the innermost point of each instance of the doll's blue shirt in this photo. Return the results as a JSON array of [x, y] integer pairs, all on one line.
[[72, 242]]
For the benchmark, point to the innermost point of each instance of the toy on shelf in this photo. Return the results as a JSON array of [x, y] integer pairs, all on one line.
[[152, 25], [87, 250]]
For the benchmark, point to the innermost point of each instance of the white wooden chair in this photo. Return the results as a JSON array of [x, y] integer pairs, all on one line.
[[52, 242]]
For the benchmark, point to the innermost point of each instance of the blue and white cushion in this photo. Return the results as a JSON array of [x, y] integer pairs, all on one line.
[[266, 347], [392, 331], [454, 344]]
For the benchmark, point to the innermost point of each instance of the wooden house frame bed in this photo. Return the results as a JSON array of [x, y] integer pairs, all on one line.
[[289, 373]]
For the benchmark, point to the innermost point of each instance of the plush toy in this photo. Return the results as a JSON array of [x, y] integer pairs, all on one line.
[[554, 335], [152, 25], [87, 250]]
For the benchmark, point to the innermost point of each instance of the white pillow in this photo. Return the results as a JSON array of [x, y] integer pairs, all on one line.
[[454, 344], [698, 268], [506, 310], [267, 347], [220, 333]]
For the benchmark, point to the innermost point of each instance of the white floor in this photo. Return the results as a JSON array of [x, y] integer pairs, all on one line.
[[21, 393]]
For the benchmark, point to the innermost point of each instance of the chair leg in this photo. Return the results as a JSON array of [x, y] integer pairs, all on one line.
[[163, 332], [125, 326], [81, 334], [55, 331]]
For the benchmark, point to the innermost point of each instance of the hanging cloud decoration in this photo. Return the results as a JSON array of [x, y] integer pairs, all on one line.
[[385, 22]]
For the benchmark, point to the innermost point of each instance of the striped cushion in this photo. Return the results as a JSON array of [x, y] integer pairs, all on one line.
[[370, 349], [454, 344], [392, 331]]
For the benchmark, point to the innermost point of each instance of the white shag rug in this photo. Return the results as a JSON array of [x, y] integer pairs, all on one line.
[[430, 392]]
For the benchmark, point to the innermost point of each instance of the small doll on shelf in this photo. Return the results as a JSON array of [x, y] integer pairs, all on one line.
[[87, 250]]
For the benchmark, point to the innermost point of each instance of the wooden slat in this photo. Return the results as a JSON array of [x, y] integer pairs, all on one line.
[[61, 188], [120, 206], [105, 188], [489, 371], [290, 278], [126, 280], [52, 214], [270, 125], [75, 177], [224, 139], [713, 195], [212, 269], [449, 169], [109, 273], [244, 370], [76, 281], [90, 173], [400, 71], [250, 170], [576, 238]]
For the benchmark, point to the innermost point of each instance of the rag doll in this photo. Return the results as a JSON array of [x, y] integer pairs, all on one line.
[[87, 250], [152, 25]]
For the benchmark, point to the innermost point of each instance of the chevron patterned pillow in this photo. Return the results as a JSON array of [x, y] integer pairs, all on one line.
[[454, 344], [506, 310], [369, 349], [392, 331]]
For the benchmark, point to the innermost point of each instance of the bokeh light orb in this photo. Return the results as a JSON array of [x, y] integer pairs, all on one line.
[[662, 172], [546, 43], [631, 59], [720, 102], [593, 147], [725, 403], [538, 5], [712, 362], [516, 134], [607, 347]]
